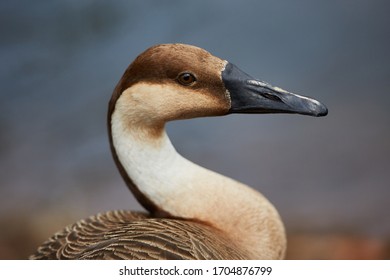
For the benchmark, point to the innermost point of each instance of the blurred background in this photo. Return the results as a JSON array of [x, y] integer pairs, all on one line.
[[329, 177]]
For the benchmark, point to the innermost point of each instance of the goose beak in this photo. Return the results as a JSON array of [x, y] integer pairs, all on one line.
[[249, 95]]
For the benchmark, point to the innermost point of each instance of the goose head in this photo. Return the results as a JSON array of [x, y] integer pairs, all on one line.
[[171, 82], [176, 81]]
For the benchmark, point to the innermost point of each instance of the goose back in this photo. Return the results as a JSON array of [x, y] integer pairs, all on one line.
[[137, 236]]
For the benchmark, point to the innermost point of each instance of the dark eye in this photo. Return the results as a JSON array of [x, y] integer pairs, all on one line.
[[186, 79]]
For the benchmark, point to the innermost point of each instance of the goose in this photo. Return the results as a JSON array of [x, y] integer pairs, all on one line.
[[193, 212]]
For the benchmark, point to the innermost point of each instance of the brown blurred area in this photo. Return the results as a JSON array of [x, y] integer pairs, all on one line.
[[336, 246]]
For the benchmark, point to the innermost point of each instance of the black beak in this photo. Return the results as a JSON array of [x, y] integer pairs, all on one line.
[[249, 95]]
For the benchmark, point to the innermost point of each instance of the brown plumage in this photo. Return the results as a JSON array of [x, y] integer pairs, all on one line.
[[194, 213], [130, 235]]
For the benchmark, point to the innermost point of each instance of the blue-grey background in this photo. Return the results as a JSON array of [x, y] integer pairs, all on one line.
[[60, 61]]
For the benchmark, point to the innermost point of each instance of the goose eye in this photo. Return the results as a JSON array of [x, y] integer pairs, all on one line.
[[186, 79]]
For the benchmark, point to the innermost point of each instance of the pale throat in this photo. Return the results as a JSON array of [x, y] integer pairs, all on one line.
[[169, 180], [184, 189]]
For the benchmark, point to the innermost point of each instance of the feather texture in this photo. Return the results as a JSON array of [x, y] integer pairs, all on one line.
[[132, 235]]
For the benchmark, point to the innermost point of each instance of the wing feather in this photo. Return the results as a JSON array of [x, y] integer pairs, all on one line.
[[132, 235]]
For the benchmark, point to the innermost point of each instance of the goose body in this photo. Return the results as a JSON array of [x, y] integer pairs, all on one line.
[[193, 213]]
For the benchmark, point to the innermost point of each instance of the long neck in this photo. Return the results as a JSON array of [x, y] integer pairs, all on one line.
[[184, 189]]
